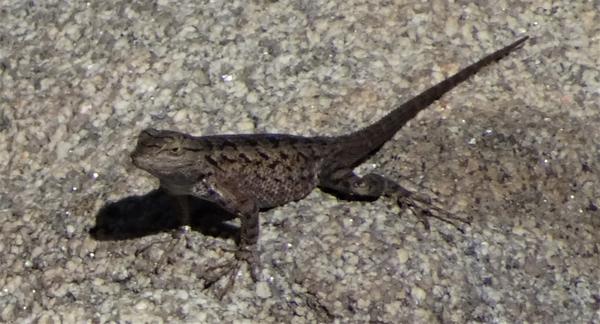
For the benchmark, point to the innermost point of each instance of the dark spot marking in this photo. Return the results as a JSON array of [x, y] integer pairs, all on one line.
[[263, 155], [224, 157], [226, 143], [212, 161], [283, 155], [244, 157], [302, 155]]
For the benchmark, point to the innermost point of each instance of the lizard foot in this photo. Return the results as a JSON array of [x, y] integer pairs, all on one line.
[[177, 236], [423, 207], [230, 269]]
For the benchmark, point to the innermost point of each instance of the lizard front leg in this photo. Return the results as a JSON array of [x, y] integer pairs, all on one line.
[[178, 235], [231, 198], [372, 186], [249, 231]]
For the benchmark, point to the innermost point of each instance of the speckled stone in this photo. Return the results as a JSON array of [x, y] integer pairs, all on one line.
[[515, 149]]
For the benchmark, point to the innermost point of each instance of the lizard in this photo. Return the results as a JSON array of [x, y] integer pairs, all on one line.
[[247, 173]]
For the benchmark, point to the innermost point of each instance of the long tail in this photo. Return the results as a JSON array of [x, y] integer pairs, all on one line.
[[364, 142]]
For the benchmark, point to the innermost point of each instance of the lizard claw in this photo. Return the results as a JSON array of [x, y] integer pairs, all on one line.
[[250, 257], [213, 274], [177, 236], [230, 269], [423, 207]]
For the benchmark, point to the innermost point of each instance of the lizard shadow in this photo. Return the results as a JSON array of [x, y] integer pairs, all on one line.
[[152, 213]]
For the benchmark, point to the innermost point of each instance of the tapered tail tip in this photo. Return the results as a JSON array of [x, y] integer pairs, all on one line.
[[519, 42]]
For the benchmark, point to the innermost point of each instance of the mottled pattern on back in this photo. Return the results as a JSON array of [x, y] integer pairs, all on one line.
[[273, 169]]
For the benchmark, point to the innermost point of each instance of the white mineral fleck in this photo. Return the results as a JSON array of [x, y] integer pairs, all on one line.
[[263, 290]]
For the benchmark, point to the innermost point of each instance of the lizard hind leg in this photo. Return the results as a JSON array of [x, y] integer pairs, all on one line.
[[353, 187], [372, 186], [423, 207]]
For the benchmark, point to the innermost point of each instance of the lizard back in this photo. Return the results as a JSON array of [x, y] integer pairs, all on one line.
[[273, 168]]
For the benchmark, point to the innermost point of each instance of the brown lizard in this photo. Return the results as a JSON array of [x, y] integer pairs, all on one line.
[[248, 172]]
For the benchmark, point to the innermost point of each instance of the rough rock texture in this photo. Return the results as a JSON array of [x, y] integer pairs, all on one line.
[[515, 149]]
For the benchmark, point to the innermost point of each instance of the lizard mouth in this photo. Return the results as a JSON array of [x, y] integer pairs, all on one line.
[[134, 159], [138, 158]]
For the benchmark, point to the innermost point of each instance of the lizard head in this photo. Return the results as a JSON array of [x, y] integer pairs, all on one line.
[[163, 154]]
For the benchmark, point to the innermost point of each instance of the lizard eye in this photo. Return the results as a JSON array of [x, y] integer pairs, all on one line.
[[177, 150]]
